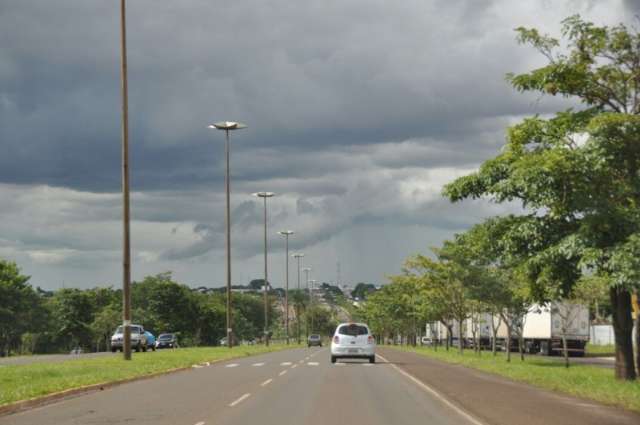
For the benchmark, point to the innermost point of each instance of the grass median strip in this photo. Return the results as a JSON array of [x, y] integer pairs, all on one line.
[[24, 382], [592, 382]]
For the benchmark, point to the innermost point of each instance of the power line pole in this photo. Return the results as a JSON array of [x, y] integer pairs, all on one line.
[[126, 239]]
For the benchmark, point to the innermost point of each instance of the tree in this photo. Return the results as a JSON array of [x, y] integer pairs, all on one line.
[[362, 290], [576, 173], [73, 313], [19, 308]]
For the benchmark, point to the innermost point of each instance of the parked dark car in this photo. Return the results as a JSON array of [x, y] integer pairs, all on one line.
[[314, 340], [167, 341]]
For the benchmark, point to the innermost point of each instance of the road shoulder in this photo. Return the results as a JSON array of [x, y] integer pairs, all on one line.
[[496, 400]]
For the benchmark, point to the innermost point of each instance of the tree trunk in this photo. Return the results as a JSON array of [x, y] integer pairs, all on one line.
[[638, 332], [508, 343], [623, 328], [521, 345], [566, 351], [460, 343]]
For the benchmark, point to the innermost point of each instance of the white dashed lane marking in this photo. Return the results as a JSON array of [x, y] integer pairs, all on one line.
[[232, 365], [267, 382], [258, 364], [240, 400], [200, 423], [294, 366], [285, 364], [338, 364], [313, 363], [282, 373]]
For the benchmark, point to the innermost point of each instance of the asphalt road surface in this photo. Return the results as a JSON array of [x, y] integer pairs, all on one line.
[[301, 387]]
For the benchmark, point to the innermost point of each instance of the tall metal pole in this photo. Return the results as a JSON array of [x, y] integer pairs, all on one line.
[[306, 271], [227, 148], [286, 288], [266, 297], [126, 240], [228, 126], [298, 257]]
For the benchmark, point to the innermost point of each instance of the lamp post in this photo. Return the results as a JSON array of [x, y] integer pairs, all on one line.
[[264, 196], [306, 271], [298, 256], [312, 283], [286, 234], [228, 126], [126, 235]]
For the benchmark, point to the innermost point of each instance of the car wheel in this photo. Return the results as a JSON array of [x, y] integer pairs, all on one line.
[[114, 349], [138, 348], [144, 348], [333, 359], [372, 359], [153, 348]]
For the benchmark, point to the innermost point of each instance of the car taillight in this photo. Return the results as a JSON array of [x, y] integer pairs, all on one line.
[[336, 339], [370, 339]]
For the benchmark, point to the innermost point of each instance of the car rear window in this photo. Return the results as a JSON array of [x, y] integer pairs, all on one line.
[[353, 330]]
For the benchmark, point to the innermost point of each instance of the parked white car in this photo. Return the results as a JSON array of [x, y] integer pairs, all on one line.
[[138, 339], [353, 340]]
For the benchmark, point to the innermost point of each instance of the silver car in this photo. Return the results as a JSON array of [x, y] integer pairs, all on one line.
[[353, 340], [138, 339]]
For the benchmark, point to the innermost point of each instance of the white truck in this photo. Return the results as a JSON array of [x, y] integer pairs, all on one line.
[[546, 324]]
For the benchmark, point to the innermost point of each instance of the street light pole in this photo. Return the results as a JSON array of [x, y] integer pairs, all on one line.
[[228, 126], [298, 257], [306, 270], [126, 239], [312, 282], [286, 234], [264, 196]]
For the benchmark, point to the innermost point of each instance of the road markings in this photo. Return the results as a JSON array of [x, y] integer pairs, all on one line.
[[285, 364], [196, 366], [433, 392], [338, 364], [282, 373], [258, 364], [301, 361], [200, 423], [267, 382], [232, 365], [367, 364], [294, 366], [240, 400], [313, 363]]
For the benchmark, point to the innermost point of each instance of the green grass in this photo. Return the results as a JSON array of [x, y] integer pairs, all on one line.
[[23, 382], [595, 383], [600, 350]]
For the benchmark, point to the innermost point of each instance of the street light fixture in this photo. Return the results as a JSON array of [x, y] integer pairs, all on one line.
[[264, 196], [298, 256], [286, 234], [228, 126]]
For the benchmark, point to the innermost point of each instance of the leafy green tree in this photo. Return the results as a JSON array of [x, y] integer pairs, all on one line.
[[576, 173], [20, 307], [73, 312]]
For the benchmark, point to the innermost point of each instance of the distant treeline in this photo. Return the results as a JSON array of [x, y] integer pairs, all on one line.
[[36, 321]]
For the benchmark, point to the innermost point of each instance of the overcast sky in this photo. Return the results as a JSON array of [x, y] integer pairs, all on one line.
[[358, 112]]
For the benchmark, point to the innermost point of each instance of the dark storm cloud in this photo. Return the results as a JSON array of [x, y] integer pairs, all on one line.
[[358, 112], [303, 76]]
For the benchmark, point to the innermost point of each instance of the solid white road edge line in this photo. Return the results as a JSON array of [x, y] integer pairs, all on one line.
[[240, 400], [267, 382], [434, 393]]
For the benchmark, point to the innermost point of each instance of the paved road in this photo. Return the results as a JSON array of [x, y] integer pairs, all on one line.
[[292, 387], [302, 387], [50, 358]]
